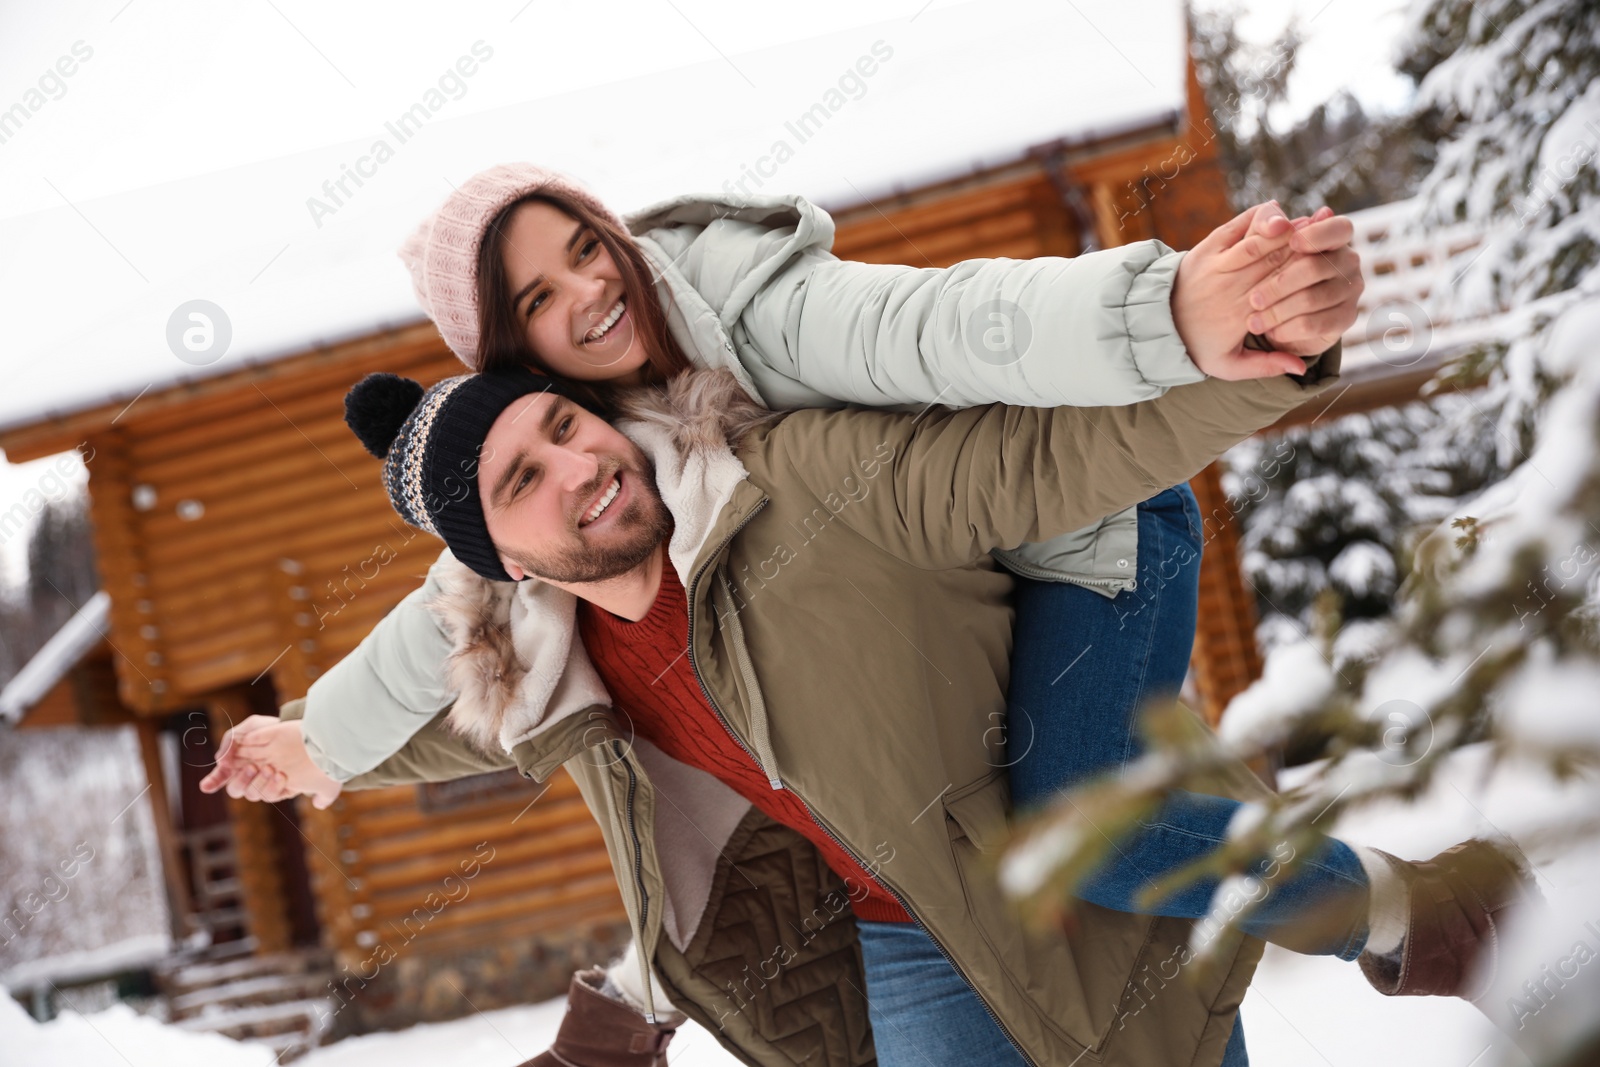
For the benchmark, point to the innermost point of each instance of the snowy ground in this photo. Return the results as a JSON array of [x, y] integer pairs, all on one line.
[[1301, 1010], [119, 1036]]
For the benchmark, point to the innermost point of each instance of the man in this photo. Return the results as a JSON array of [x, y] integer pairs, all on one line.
[[847, 635]]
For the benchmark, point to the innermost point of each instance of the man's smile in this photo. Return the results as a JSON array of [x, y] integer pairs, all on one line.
[[602, 505]]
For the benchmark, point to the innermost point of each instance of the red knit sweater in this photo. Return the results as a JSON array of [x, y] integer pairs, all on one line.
[[647, 673]]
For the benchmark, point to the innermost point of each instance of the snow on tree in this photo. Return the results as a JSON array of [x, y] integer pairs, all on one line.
[[1494, 639], [79, 864], [1518, 86], [1340, 154], [1330, 513], [61, 578]]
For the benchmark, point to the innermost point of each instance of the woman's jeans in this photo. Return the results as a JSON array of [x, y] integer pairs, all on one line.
[[1082, 666]]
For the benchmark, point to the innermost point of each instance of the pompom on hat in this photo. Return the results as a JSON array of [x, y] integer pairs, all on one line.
[[430, 441], [442, 255]]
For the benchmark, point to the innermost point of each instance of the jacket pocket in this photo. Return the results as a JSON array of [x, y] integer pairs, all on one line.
[[1064, 988], [978, 813]]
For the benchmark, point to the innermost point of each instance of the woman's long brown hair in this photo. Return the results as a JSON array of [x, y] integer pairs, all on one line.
[[502, 341]]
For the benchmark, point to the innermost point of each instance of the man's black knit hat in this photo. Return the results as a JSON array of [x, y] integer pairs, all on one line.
[[430, 442]]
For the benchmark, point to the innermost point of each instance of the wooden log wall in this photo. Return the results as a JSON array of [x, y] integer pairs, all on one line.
[[119, 555], [1015, 213], [195, 505], [522, 864]]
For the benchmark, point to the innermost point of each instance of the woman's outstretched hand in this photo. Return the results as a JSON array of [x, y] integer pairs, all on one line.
[[1309, 303], [264, 758], [1294, 281]]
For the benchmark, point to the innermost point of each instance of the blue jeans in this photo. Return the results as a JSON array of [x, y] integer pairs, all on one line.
[[923, 1013], [1082, 665]]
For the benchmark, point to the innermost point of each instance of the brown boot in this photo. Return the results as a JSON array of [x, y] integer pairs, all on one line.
[[1457, 902], [600, 1032]]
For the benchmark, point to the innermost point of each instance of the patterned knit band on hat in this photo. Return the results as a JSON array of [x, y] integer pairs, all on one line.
[[442, 255], [430, 442]]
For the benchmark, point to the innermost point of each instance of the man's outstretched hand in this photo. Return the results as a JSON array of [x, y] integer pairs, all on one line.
[[1295, 281], [265, 758]]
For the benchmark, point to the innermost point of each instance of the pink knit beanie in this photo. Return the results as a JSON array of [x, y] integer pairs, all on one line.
[[442, 254]]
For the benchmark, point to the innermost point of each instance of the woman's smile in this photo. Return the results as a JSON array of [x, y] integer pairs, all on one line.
[[607, 326]]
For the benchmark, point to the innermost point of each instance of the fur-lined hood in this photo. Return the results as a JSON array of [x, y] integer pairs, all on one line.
[[515, 665]]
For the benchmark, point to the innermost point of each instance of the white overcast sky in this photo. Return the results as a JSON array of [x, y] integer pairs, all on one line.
[[1349, 45], [178, 89]]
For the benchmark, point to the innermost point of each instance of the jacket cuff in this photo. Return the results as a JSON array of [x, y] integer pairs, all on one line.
[[1158, 353], [296, 709], [1324, 364]]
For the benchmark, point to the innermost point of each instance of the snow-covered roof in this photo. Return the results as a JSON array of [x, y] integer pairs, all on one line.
[[59, 655], [131, 953], [294, 262]]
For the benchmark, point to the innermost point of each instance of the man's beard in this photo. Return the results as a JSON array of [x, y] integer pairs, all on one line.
[[644, 524]]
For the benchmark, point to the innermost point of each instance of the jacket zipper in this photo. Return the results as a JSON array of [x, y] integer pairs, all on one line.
[[695, 582], [902, 901], [633, 782], [778, 784], [638, 872]]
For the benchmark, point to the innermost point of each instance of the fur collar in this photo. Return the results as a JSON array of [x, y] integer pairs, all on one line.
[[515, 663]]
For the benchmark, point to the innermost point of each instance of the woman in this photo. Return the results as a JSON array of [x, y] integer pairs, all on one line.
[[522, 265]]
